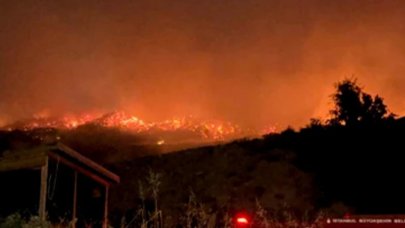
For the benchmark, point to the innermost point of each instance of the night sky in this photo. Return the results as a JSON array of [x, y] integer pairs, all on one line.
[[250, 62]]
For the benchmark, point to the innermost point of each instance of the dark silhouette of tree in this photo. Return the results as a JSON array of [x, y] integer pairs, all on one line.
[[353, 106]]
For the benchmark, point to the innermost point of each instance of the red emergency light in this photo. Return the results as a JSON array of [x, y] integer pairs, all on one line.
[[242, 220]]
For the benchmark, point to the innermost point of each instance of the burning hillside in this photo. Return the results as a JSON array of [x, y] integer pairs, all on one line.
[[206, 130]]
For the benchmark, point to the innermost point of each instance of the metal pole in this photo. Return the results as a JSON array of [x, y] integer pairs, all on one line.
[[74, 219], [105, 223], [43, 191]]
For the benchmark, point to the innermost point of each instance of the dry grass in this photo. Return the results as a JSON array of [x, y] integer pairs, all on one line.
[[197, 215]]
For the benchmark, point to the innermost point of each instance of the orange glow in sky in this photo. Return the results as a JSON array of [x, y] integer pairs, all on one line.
[[253, 63]]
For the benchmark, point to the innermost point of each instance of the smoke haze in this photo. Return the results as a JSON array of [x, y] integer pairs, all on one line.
[[254, 63]]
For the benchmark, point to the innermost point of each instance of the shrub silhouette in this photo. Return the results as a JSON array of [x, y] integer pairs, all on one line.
[[353, 106]]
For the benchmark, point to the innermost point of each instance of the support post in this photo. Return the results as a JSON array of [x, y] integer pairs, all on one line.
[[105, 222], [43, 191], [74, 211]]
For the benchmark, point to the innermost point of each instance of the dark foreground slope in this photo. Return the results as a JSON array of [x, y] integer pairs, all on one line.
[[339, 169], [224, 178], [361, 165]]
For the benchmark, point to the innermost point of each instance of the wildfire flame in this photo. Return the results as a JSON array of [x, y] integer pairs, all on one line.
[[207, 129]]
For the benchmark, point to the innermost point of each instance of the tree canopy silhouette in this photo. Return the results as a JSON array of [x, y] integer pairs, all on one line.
[[353, 106]]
